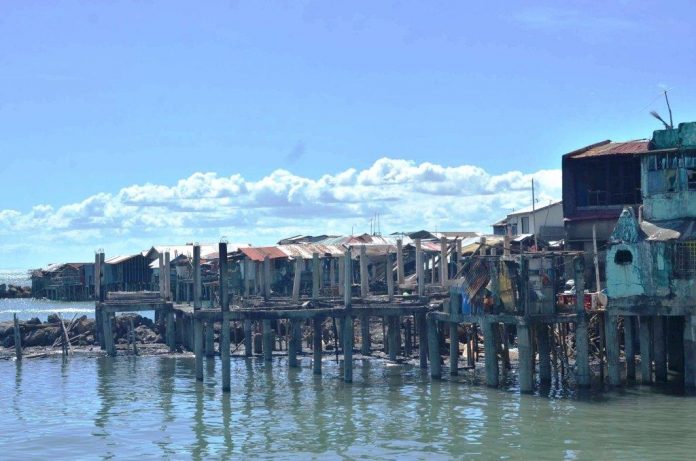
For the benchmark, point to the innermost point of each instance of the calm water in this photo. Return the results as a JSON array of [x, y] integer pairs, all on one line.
[[151, 407]]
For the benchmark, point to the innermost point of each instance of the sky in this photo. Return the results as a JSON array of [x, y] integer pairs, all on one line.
[[128, 124]]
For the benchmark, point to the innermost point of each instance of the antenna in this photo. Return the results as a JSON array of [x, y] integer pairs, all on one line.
[[670, 125]]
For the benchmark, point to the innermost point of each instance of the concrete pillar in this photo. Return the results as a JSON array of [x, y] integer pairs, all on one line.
[[660, 349], [646, 349], [364, 276], [612, 349], [399, 262], [629, 347], [582, 352], [299, 263], [419, 269]]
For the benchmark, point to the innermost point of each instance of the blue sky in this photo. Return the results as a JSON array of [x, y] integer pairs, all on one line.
[[96, 97]]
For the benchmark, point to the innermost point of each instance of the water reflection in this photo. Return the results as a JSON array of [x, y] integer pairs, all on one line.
[[152, 407]]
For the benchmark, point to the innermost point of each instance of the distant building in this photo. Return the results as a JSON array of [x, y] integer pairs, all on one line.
[[546, 221]]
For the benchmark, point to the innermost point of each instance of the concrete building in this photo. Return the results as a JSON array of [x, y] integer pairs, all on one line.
[[546, 221]]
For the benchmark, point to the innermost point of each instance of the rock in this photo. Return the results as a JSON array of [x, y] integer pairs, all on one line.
[[53, 318], [41, 337], [33, 321], [83, 325], [146, 335], [6, 328], [8, 341]]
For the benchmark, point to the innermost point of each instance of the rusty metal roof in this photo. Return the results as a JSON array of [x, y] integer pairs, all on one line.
[[638, 146], [259, 253]]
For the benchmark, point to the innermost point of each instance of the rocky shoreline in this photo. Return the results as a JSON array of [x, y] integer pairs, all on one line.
[[14, 291], [80, 330]]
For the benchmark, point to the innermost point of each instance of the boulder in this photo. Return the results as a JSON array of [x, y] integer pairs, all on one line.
[[53, 318], [6, 328], [41, 337], [33, 321]]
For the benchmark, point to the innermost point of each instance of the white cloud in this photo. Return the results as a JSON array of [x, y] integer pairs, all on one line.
[[205, 206]]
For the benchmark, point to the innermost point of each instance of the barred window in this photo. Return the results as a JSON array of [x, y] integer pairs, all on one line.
[[684, 259]]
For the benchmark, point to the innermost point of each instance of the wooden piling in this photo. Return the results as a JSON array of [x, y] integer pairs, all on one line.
[[316, 263], [690, 352], [544, 350], [365, 345], [225, 327], [434, 348], [170, 331], [317, 344], [612, 349], [267, 340], [210, 338], [364, 276], [491, 357], [197, 322], [582, 342], [389, 274], [348, 349], [341, 276], [645, 335], [248, 338], [160, 266], [347, 280], [629, 348], [526, 359], [108, 333], [267, 278], [408, 345], [167, 277], [17, 338], [421, 324], [419, 269], [443, 262], [454, 348], [399, 262], [295, 343], [393, 336], [297, 278], [660, 349]]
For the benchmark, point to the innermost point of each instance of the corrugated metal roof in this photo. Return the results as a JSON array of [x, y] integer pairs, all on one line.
[[120, 259], [259, 253], [307, 250], [638, 146]]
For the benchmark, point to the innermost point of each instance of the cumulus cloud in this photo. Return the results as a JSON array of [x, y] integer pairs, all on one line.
[[407, 195]]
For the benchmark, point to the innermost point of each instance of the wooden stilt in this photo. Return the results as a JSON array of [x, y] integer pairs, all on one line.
[[197, 306], [612, 349], [299, 263], [364, 276], [582, 354], [646, 349], [419, 269], [454, 348], [293, 346], [365, 334], [248, 338], [629, 348], [317, 344], [526, 360], [399, 262], [267, 340], [315, 275], [422, 326], [491, 356], [434, 348], [690, 352], [348, 349], [393, 324], [225, 327], [408, 345], [660, 349], [17, 338]]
